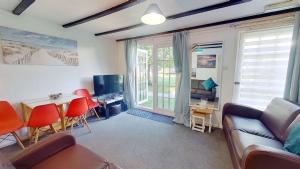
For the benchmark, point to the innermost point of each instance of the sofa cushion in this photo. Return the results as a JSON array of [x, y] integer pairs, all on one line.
[[278, 115], [291, 126], [75, 157], [292, 143], [209, 84], [242, 140], [248, 125]]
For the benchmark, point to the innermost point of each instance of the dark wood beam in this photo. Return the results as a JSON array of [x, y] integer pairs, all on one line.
[[257, 16], [109, 11], [183, 14], [22, 6], [208, 8]]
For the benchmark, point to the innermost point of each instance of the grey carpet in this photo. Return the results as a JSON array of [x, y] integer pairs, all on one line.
[[137, 143]]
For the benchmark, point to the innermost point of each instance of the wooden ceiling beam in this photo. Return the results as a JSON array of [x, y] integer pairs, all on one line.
[[257, 16], [109, 11], [208, 8], [22, 6], [183, 14]]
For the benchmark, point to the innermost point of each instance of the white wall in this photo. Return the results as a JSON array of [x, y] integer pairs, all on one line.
[[21, 82], [225, 34]]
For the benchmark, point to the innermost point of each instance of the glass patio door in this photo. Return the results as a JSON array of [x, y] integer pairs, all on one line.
[[156, 78], [166, 80], [142, 77]]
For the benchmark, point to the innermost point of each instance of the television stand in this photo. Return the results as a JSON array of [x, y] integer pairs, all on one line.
[[110, 102]]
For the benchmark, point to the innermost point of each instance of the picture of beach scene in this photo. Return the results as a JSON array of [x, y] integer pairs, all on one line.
[[206, 61], [27, 48]]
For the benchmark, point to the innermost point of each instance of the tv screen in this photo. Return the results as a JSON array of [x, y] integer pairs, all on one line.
[[108, 84]]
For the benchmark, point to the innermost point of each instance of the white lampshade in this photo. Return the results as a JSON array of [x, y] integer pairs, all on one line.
[[153, 15]]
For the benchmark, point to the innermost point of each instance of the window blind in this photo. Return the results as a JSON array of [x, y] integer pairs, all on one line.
[[263, 66]]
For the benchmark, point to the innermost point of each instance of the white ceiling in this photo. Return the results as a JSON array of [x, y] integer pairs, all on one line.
[[64, 11]]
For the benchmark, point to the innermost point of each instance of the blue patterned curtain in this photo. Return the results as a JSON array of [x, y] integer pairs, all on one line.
[[130, 54], [182, 67], [292, 86]]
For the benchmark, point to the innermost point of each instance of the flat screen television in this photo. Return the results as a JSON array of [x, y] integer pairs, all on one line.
[[108, 84]]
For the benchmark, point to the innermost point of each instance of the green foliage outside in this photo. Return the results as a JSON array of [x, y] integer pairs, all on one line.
[[166, 78]]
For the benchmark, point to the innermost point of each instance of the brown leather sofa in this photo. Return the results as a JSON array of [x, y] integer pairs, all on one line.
[[60, 151], [255, 138]]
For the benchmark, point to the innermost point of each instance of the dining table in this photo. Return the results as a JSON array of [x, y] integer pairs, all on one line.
[[61, 102]]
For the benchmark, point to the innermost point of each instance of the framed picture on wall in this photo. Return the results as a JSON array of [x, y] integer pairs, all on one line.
[[28, 48], [206, 61]]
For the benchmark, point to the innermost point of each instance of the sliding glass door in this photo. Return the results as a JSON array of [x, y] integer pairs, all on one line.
[[156, 78]]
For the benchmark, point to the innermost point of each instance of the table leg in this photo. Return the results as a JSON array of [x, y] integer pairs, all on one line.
[[210, 117], [26, 115], [62, 117]]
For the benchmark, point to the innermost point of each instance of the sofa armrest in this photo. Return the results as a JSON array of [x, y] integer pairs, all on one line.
[[261, 157], [42, 150], [240, 110]]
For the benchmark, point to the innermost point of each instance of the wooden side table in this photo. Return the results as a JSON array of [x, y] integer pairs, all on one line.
[[200, 112]]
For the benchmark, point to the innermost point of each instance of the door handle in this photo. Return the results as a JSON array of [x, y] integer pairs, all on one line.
[[237, 83]]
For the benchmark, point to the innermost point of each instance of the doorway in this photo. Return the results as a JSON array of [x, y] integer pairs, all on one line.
[[155, 78]]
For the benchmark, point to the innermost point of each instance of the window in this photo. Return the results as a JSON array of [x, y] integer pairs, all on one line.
[[166, 78], [262, 66]]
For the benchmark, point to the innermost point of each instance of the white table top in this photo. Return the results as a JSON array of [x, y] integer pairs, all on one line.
[[63, 99]]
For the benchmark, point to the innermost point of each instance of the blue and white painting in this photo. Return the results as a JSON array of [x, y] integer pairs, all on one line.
[[28, 48]]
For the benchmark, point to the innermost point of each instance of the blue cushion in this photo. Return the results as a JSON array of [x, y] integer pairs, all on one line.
[[209, 84], [293, 140]]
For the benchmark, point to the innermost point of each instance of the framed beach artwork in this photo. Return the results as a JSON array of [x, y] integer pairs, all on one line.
[[27, 48], [206, 61]]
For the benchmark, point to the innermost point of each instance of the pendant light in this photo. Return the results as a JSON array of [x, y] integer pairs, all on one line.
[[153, 15]]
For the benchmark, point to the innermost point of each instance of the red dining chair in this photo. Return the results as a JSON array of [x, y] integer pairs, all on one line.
[[10, 122], [76, 111], [42, 116], [91, 103]]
